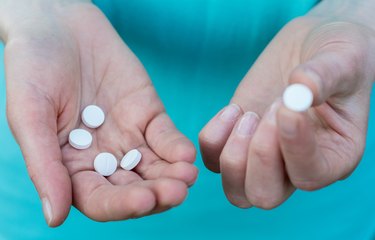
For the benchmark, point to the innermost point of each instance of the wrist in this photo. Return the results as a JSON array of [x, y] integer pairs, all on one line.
[[28, 15], [359, 12]]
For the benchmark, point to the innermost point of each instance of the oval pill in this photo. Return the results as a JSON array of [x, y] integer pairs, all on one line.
[[93, 116], [80, 139], [298, 97], [131, 159], [105, 164]]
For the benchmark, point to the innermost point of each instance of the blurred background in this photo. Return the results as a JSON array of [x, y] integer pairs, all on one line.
[[196, 52]]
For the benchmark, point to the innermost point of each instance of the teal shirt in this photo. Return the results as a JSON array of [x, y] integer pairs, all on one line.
[[196, 52]]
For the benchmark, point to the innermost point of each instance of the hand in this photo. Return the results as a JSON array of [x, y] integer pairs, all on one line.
[[268, 152], [56, 64]]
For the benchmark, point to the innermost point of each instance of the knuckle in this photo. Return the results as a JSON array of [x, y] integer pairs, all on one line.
[[186, 152], [206, 140], [262, 153], [230, 161], [353, 62]]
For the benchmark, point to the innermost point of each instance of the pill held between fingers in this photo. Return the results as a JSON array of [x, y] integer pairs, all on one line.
[[131, 159], [80, 139], [93, 116], [105, 164], [298, 97]]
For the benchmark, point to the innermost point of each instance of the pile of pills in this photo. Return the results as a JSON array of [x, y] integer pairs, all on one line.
[[105, 163]]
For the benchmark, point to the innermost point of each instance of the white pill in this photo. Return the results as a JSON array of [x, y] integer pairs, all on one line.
[[80, 139], [93, 116], [105, 164], [298, 97], [131, 159]]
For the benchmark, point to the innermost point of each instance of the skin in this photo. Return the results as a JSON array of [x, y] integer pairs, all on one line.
[[332, 51], [70, 57], [59, 58]]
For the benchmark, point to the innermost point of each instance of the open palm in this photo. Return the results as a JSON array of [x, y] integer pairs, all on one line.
[[74, 59]]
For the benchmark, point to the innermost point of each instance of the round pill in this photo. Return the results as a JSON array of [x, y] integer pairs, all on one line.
[[298, 97], [93, 116], [105, 164], [80, 139], [131, 159]]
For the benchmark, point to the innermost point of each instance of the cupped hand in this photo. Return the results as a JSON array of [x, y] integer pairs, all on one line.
[[62, 60], [265, 151]]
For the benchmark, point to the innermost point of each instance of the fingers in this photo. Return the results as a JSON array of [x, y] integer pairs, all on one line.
[[214, 135], [233, 159], [35, 130], [330, 73], [175, 153], [152, 167], [182, 171], [308, 168], [333, 74], [267, 184], [102, 201], [167, 142]]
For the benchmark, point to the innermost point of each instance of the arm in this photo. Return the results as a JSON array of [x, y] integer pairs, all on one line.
[[360, 12], [263, 160], [61, 56]]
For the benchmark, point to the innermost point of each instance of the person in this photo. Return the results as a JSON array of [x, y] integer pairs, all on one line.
[[71, 56]]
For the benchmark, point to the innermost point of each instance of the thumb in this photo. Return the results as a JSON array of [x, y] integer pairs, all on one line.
[[33, 125], [330, 73], [32, 119]]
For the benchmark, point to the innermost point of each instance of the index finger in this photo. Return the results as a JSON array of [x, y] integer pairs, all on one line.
[[311, 164]]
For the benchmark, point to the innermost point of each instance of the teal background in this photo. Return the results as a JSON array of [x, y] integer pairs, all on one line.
[[196, 52]]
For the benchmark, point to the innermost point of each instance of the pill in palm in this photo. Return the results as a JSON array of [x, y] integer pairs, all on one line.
[[298, 97], [131, 159], [105, 164], [80, 139], [93, 116]]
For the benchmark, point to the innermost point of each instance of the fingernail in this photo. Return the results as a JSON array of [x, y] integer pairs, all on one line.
[[248, 124], [230, 113], [271, 114], [288, 126], [47, 210]]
